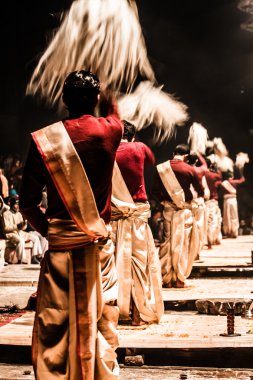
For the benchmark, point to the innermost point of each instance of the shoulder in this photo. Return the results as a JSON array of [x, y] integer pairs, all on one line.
[[143, 147]]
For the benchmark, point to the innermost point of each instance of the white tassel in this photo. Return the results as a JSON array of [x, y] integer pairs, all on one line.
[[103, 36], [241, 160], [198, 138], [219, 147], [150, 105], [225, 163]]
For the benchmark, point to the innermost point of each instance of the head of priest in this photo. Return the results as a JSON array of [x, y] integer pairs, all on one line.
[[80, 93]]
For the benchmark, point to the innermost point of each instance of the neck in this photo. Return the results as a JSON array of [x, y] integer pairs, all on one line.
[[74, 114], [178, 157]]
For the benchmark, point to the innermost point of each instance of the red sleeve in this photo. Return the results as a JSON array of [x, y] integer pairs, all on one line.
[[109, 109], [197, 184], [149, 156], [237, 182], [202, 161]]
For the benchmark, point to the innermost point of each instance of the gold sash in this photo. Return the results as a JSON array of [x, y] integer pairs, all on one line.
[[171, 184], [70, 179], [121, 196], [228, 187]]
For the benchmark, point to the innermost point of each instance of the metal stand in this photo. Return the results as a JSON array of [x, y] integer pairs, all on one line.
[[230, 324]]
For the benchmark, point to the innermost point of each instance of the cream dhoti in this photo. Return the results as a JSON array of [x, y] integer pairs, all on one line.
[[81, 344], [137, 262], [230, 215], [213, 222], [181, 243], [200, 221]]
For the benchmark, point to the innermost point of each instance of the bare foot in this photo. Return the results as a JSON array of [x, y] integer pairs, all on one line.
[[136, 318], [168, 285], [181, 284]]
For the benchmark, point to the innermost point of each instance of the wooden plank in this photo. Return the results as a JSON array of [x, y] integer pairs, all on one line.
[[20, 372], [176, 330], [189, 330], [201, 288]]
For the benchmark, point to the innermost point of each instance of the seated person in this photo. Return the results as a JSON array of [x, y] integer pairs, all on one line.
[[14, 227]]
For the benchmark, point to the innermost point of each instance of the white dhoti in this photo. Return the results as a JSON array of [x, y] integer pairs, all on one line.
[[213, 222], [137, 263], [230, 216], [74, 335], [180, 245], [200, 220]]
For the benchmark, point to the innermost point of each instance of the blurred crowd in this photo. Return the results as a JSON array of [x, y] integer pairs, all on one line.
[[19, 237]]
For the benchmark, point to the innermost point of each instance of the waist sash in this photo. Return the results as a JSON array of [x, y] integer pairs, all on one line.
[[65, 235], [229, 196]]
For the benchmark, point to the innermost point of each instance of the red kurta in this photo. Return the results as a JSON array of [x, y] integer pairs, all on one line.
[[186, 176], [92, 137], [132, 157], [213, 182], [234, 182]]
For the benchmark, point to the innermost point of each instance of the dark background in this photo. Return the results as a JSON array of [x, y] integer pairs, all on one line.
[[198, 51]]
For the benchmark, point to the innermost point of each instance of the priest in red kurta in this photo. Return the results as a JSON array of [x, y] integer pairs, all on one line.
[[74, 159], [172, 187], [137, 262], [230, 216]]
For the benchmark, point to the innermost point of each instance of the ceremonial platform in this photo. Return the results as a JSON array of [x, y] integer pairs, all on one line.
[[184, 337]]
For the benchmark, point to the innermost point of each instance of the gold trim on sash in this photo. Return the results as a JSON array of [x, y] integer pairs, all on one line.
[[70, 179], [171, 184]]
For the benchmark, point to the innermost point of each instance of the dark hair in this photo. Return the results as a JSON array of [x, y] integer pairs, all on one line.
[[212, 166], [181, 150], [80, 89], [227, 175], [13, 201], [209, 151], [208, 162], [129, 130], [192, 159]]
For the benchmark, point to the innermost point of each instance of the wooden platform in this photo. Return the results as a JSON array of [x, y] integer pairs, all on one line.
[[230, 253], [185, 330], [21, 372], [176, 330], [201, 288], [20, 275]]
